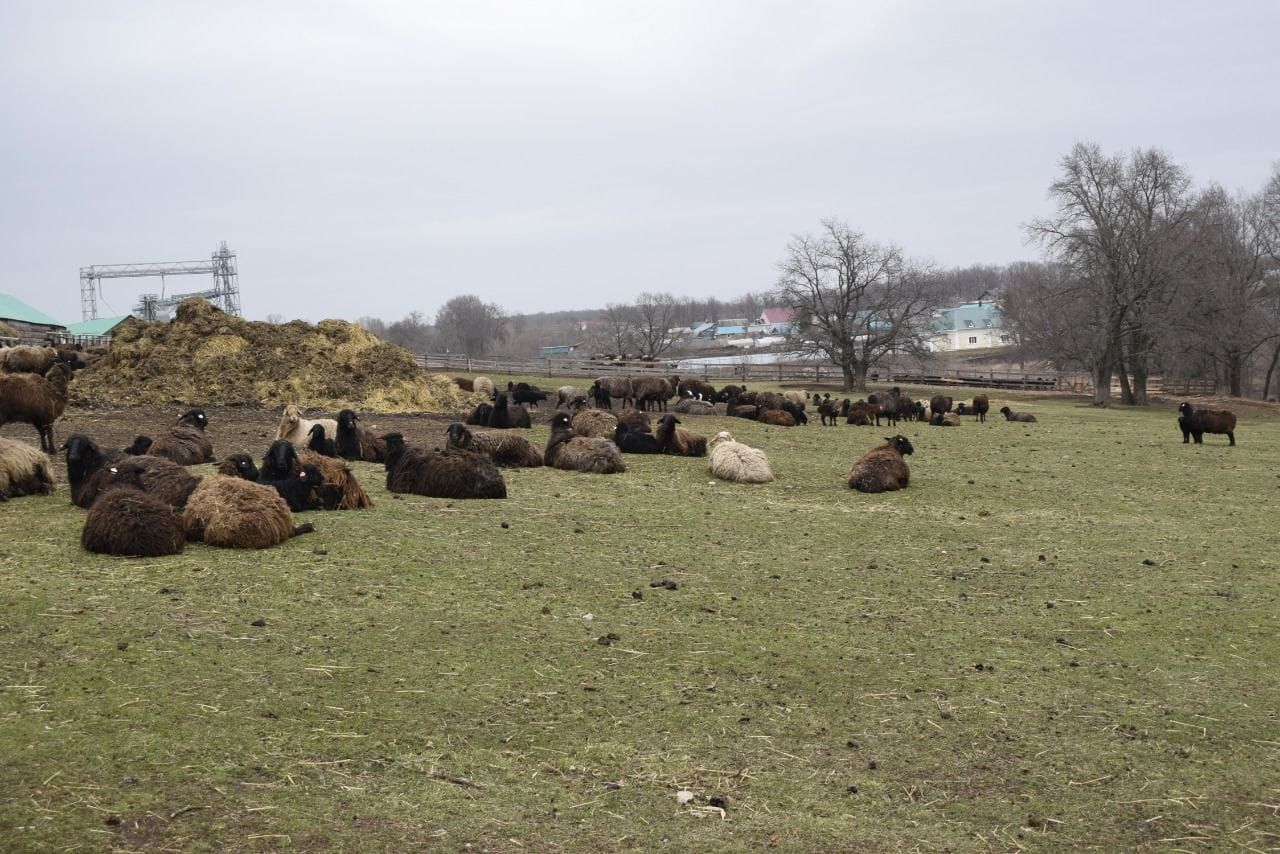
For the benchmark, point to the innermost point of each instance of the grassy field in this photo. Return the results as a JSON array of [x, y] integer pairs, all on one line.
[[1062, 635]]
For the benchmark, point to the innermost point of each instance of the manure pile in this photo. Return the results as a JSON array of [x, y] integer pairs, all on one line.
[[207, 356]]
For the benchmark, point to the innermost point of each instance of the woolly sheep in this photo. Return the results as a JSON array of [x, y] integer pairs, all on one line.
[[504, 416], [29, 359], [635, 419], [655, 391], [452, 473], [732, 460], [981, 405], [186, 443], [593, 423], [945, 419], [484, 386], [776, 417], [677, 441], [24, 470], [318, 442], [693, 406], [565, 450], [615, 388], [340, 490], [296, 429], [128, 522], [35, 400], [353, 442], [232, 513], [631, 441], [507, 450], [160, 478], [238, 465], [1010, 415], [566, 393], [1194, 423], [882, 469]]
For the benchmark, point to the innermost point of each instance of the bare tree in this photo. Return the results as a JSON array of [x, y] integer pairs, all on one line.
[[1122, 226], [469, 325], [655, 315], [376, 325], [275, 319], [855, 300], [614, 334], [411, 332]]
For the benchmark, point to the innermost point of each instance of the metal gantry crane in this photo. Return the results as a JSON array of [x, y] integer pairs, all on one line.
[[225, 292]]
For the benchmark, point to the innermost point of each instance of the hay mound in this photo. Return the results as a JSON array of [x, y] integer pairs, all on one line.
[[7, 331], [205, 355]]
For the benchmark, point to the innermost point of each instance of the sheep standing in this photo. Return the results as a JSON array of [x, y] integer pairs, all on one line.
[[186, 443], [232, 513], [29, 359], [24, 470], [614, 388], [353, 442], [653, 391], [1010, 415], [296, 429], [36, 400], [565, 450], [507, 450], [882, 469], [732, 460], [453, 473], [677, 441], [939, 403], [1194, 423], [981, 405], [566, 393], [128, 522]]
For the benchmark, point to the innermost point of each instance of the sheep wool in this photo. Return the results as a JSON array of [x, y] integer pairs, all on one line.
[[127, 522], [24, 470], [882, 468], [233, 513], [594, 423], [732, 460], [296, 429]]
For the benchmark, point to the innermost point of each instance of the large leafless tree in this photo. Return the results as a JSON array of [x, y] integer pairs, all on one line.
[[654, 315], [855, 300], [467, 324]]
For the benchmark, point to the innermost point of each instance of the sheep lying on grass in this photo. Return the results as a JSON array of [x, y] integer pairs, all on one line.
[[24, 470], [160, 478], [318, 442], [296, 429], [507, 450], [340, 491], [566, 450], [694, 406], [945, 419], [452, 473], [882, 469], [232, 513], [732, 460], [1194, 423], [504, 416], [238, 465], [631, 441], [677, 441], [1010, 415], [301, 490], [128, 522], [186, 443], [593, 423], [353, 442]]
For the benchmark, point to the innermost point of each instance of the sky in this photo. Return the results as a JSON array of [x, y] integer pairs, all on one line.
[[376, 158]]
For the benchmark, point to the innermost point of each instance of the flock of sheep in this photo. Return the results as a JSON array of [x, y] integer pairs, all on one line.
[[142, 500]]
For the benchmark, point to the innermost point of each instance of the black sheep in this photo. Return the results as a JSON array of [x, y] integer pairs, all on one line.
[[356, 443], [140, 446], [279, 462], [301, 489], [601, 396], [1194, 423], [318, 443], [504, 417], [532, 398], [452, 473], [631, 441], [238, 465]]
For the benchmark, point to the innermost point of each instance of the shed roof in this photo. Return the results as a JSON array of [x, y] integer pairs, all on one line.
[[100, 326], [12, 308]]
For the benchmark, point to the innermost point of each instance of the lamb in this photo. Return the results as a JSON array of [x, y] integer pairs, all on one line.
[[615, 388], [886, 407], [531, 397], [945, 419], [677, 441], [353, 442], [600, 396], [128, 522], [776, 417], [882, 469], [698, 390], [453, 473], [653, 391], [24, 470], [238, 465], [317, 442], [504, 417], [592, 423], [732, 390], [35, 400], [981, 404], [796, 411], [827, 411], [1194, 423], [565, 450], [507, 450], [732, 460], [566, 393], [694, 406], [232, 513], [631, 441], [301, 490], [484, 386], [860, 413], [1010, 415], [186, 444], [296, 429]]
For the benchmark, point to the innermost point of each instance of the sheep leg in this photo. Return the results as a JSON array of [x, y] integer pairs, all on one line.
[[1231, 437]]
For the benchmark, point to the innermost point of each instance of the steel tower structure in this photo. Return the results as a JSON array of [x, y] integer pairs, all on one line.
[[225, 292]]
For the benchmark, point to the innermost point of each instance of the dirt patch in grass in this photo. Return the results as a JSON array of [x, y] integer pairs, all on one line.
[[208, 357]]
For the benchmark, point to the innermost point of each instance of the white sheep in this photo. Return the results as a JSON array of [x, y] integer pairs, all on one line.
[[732, 460], [797, 397], [297, 429], [24, 470], [484, 386]]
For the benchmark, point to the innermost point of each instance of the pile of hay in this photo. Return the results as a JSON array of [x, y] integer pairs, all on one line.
[[207, 356], [7, 331]]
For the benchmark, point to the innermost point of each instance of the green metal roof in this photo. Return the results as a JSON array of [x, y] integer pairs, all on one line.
[[12, 308], [101, 326]]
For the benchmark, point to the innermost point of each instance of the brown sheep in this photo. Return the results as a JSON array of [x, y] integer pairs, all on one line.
[[29, 359], [769, 400], [565, 450], [655, 391], [464, 383], [353, 442], [341, 490], [882, 469], [128, 522], [1194, 423], [232, 513], [1024, 417], [776, 417], [944, 419], [635, 420], [981, 405], [615, 388], [238, 465], [939, 403], [160, 478], [186, 443], [504, 416], [677, 441], [507, 450], [593, 423], [36, 400]]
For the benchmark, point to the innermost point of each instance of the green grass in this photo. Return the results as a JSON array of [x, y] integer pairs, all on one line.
[[1062, 635]]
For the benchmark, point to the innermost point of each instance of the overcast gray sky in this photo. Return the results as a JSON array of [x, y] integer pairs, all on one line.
[[375, 158]]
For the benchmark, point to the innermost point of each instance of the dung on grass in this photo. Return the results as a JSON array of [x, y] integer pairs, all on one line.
[[209, 356]]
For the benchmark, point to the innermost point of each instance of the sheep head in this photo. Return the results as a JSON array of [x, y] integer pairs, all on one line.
[[458, 436], [347, 420], [901, 444]]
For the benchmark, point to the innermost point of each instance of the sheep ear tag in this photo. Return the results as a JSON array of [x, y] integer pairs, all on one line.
[[302, 475], [115, 470]]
